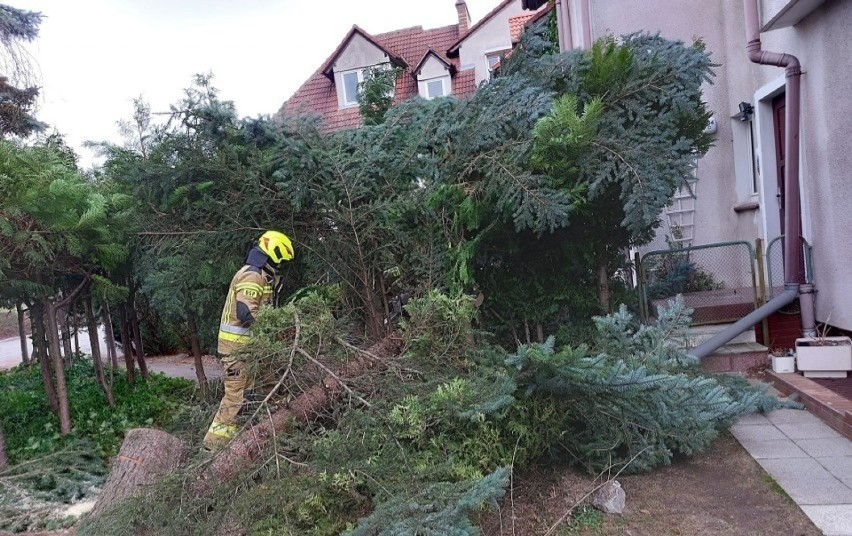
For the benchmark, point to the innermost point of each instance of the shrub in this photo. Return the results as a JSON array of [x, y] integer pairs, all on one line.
[[32, 429]]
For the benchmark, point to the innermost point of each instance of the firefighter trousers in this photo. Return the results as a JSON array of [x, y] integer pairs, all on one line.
[[224, 425]]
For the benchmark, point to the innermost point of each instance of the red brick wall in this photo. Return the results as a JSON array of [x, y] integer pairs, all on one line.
[[784, 329]]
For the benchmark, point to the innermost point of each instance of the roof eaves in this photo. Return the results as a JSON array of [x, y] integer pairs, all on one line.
[[431, 52], [328, 67], [538, 16], [454, 48]]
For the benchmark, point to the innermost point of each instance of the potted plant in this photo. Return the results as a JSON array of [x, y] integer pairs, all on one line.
[[783, 360], [824, 356]]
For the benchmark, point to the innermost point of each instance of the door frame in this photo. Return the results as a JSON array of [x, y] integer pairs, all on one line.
[[770, 225]]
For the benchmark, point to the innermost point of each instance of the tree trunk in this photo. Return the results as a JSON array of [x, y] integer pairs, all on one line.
[[374, 319], [110, 339], [146, 455], [4, 461], [92, 327], [58, 367], [66, 336], [126, 344], [603, 288], [137, 342], [247, 446], [22, 331], [76, 330], [40, 353], [196, 353]]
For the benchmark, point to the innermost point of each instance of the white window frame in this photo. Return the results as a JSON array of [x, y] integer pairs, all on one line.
[[360, 79], [496, 54], [442, 81]]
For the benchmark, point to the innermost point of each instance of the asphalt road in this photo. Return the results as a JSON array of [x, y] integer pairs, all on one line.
[[10, 349]]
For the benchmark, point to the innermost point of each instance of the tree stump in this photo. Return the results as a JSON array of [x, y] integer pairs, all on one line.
[[146, 454]]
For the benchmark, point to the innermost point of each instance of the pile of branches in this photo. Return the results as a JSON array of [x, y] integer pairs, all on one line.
[[37, 494], [363, 442]]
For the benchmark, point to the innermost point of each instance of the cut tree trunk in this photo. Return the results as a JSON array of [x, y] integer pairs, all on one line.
[[247, 447], [146, 455], [160, 452]]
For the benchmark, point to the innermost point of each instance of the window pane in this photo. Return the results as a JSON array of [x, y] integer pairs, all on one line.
[[350, 88], [493, 60], [434, 89]]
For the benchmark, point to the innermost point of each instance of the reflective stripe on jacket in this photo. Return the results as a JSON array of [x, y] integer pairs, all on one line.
[[251, 287]]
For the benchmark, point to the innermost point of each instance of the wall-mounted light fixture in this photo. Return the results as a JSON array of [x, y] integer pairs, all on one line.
[[746, 110]]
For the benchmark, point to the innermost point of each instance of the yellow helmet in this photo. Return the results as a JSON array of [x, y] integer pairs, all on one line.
[[277, 246]]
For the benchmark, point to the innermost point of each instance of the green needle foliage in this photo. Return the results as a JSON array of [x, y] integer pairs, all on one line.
[[527, 193], [442, 429], [49, 472]]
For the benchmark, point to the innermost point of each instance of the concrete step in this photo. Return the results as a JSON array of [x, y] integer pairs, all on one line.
[[736, 357], [699, 334]]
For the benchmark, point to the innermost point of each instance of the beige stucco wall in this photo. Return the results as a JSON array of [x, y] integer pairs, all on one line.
[[821, 43], [358, 54], [717, 187], [490, 37], [434, 69]]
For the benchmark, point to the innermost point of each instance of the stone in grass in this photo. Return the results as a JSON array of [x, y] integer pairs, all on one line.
[[610, 498]]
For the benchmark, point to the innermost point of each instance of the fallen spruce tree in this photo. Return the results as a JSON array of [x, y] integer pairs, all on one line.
[[419, 443]]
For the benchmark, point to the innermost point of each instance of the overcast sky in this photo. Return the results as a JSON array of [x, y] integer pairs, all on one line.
[[94, 56]]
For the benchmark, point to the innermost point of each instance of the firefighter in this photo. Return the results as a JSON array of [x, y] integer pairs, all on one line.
[[251, 288]]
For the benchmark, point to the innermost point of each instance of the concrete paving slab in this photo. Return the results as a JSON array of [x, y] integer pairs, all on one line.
[[807, 482], [757, 432], [775, 448], [753, 418], [791, 416], [833, 520], [826, 447], [808, 430], [839, 466]]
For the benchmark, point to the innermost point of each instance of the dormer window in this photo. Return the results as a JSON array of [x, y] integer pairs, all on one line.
[[349, 66], [435, 88], [434, 76], [351, 81], [492, 60]]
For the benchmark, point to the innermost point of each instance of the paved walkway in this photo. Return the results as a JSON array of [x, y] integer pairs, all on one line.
[[809, 460]]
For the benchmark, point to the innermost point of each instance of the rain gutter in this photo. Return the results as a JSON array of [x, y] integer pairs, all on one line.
[[794, 280]]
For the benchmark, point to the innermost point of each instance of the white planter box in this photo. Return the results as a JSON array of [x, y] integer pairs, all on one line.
[[783, 364], [824, 357]]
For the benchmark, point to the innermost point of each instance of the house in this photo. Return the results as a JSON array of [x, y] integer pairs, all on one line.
[[741, 193], [448, 61]]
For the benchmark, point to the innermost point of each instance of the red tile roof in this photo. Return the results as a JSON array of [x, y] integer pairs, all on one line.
[[540, 14], [517, 25], [328, 66], [318, 96], [465, 83]]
